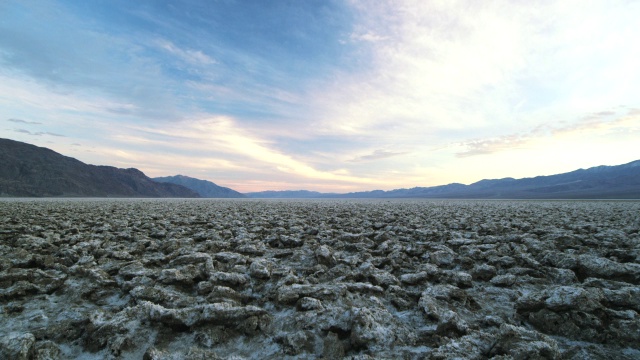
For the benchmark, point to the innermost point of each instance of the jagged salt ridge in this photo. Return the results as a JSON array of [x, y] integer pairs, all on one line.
[[176, 279]]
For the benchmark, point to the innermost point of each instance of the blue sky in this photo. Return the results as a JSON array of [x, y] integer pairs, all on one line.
[[325, 95]]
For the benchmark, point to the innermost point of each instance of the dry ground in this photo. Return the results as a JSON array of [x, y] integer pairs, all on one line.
[[256, 279]]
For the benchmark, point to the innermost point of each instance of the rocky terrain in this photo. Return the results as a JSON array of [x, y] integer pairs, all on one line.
[[251, 279]]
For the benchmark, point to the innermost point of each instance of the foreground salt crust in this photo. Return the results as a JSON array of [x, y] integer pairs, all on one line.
[[255, 279]]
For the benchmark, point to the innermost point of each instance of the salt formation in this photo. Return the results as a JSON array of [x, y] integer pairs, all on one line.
[[251, 279]]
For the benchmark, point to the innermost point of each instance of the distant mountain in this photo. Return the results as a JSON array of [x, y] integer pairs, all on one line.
[[600, 182], [28, 170], [204, 188], [290, 194], [434, 191]]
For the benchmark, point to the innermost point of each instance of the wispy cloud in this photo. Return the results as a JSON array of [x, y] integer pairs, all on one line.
[[194, 57], [369, 36], [39, 133], [592, 122], [473, 66], [489, 146], [109, 65], [224, 132], [428, 71], [378, 155], [20, 121]]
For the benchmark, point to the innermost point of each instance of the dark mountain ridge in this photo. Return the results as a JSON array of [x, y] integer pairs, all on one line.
[[29, 170]]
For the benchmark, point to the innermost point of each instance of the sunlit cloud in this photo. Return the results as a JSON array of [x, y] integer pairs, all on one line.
[[223, 134], [488, 146], [428, 72], [602, 122], [377, 155], [461, 65]]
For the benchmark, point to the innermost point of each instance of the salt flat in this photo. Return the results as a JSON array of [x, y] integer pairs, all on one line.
[[256, 279]]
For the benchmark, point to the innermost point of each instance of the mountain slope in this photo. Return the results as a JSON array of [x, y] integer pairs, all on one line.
[[29, 170], [606, 182], [204, 188]]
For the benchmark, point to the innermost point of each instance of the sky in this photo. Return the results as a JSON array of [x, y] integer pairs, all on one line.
[[324, 95]]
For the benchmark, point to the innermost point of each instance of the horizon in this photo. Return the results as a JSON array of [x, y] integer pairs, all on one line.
[[334, 97], [637, 162], [404, 188]]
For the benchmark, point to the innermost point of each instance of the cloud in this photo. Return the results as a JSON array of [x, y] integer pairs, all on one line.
[[597, 121], [590, 122], [445, 70], [39, 133], [488, 146], [194, 57], [377, 155], [426, 67], [42, 46], [20, 121], [368, 37], [225, 131], [19, 92], [605, 113], [217, 138]]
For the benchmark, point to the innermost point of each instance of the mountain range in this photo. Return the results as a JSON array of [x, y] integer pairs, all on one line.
[[291, 194], [600, 182], [204, 188], [32, 171]]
